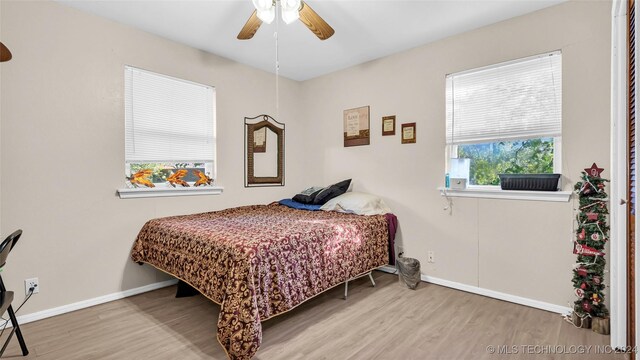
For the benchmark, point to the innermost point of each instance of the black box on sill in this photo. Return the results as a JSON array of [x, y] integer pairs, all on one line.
[[532, 182]]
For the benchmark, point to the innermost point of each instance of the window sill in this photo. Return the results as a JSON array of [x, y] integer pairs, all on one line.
[[497, 193], [168, 191]]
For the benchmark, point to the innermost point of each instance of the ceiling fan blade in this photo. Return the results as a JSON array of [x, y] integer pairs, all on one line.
[[249, 29], [5, 54], [314, 22]]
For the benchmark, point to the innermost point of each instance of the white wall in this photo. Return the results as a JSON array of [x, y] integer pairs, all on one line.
[[516, 247], [62, 147], [62, 136]]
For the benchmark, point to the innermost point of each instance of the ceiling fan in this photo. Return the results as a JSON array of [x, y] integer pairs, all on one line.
[[291, 11], [5, 54]]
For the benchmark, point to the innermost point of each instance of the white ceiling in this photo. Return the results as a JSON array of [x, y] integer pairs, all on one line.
[[365, 30]]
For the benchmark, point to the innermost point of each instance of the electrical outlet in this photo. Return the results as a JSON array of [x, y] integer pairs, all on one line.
[[430, 257], [29, 283]]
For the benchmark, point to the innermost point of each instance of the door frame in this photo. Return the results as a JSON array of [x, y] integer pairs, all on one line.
[[619, 164]]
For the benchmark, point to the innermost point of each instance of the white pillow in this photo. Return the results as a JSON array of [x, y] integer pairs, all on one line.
[[357, 203]]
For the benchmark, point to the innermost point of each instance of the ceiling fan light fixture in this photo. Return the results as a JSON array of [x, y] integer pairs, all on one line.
[[266, 10], [290, 10], [290, 16], [267, 16]]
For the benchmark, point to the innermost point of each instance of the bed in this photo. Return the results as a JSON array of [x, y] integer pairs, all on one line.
[[261, 261]]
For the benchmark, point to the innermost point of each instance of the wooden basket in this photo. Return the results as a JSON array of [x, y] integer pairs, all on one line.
[[600, 325], [580, 322]]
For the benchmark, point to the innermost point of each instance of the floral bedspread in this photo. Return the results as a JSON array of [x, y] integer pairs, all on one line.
[[260, 261]]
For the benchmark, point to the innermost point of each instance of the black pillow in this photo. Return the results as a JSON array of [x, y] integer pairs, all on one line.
[[331, 191], [306, 198], [343, 185]]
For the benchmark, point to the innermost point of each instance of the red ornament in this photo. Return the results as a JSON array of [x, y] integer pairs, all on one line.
[[579, 293], [581, 235], [586, 306], [594, 170], [592, 216], [586, 250], [597, 280], [581, 271], [595, 236], [583, 286], [587, 190], [601, 186]]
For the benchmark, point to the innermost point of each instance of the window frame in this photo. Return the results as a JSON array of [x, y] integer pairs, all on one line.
[[495, 191], [163, 189]]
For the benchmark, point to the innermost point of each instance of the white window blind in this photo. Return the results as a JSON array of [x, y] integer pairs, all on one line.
[[516, 100], [167, 119]]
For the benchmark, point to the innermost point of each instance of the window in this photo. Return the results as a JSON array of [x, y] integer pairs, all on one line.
[[506, 118], [169, 125]]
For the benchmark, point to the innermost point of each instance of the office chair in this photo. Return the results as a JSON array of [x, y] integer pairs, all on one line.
[[6, 297]]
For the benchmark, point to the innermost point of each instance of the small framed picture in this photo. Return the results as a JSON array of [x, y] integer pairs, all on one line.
[[389, 125], [409, 133], [356, 126]]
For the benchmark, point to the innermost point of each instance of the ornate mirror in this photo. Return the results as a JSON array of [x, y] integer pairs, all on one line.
[[264, 150]]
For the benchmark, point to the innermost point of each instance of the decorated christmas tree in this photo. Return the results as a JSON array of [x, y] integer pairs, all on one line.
[[592, 233]]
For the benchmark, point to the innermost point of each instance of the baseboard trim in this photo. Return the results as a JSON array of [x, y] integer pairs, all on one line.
[[489, 293], [39, 315]]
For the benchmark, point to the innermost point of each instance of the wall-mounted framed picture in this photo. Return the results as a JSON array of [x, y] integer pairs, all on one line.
[[388, 125], [356, 126], [409, 133]]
